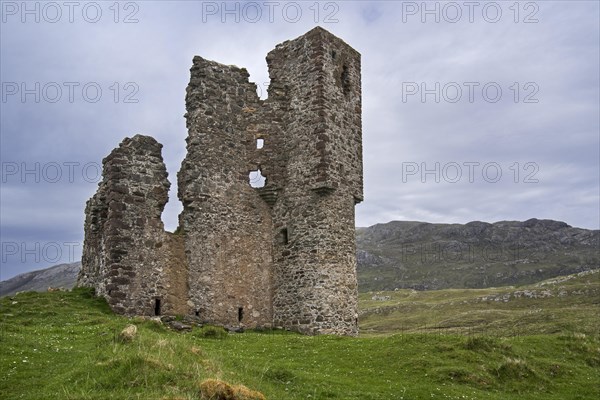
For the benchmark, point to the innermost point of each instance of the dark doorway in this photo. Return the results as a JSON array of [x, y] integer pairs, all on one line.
[[240, 314], [156, 306]]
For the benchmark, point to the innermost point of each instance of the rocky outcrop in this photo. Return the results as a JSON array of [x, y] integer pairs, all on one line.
[[426, 256], [57, 276]]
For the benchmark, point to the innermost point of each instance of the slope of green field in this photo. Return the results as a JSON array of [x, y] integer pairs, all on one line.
[[560, 305], [65, 345]]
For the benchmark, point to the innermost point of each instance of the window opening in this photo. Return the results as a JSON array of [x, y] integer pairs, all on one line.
[[345, 80], [283, 234], [156, 306], [256, 179]]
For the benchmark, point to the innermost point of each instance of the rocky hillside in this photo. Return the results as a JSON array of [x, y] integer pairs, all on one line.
[[58, 276], [425, 256]]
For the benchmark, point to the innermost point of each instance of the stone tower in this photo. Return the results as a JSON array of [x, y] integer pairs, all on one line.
[[279, 255]]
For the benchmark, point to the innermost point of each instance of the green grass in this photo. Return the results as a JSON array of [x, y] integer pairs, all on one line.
[[64, 345], [557, 306]]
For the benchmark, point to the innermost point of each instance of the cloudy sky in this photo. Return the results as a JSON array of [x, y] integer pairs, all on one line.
[[471, 110]]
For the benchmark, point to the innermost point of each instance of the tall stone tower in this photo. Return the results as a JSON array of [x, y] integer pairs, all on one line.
[[315, 91], [281, 253]]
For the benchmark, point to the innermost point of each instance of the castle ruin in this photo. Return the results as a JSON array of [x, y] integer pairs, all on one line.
[[280, 255]]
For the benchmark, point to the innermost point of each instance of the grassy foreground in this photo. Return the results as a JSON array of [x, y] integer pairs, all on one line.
[[65, 345]]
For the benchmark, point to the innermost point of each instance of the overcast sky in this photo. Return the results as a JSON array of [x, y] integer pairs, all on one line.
[[471, 110]]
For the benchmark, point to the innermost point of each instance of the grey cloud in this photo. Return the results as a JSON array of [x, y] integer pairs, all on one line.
[[560, 133]]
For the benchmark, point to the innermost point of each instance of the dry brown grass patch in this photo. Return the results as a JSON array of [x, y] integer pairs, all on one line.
[[128, 334], [243, 393], [215, 389]]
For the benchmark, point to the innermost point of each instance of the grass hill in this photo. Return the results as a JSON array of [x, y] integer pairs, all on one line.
[[66, 345], [555, 306], [423, 256]]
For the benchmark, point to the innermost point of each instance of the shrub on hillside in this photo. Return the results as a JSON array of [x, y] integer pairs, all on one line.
[[514, 369], [486, 344], [211, 332]]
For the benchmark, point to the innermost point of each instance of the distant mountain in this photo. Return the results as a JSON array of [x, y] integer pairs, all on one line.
[[58, 276], [424, 256]]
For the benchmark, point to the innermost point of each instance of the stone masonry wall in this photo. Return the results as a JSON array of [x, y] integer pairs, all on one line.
[[315, 288], [280, 255], [226, 223], [126, 250]]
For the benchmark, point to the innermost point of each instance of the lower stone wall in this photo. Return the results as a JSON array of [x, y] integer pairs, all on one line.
[[230, 264], [176, 300], [315, 286], [230, 259]]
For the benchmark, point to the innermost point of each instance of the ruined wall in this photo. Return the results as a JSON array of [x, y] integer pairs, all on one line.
[[281, 255], [126, 253], [226, 223], [295, 248]]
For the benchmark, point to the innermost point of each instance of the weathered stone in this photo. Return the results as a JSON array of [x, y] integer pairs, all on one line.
[[235, 329], [128, 333], [278, 255], [117, 232], [179, 326]]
